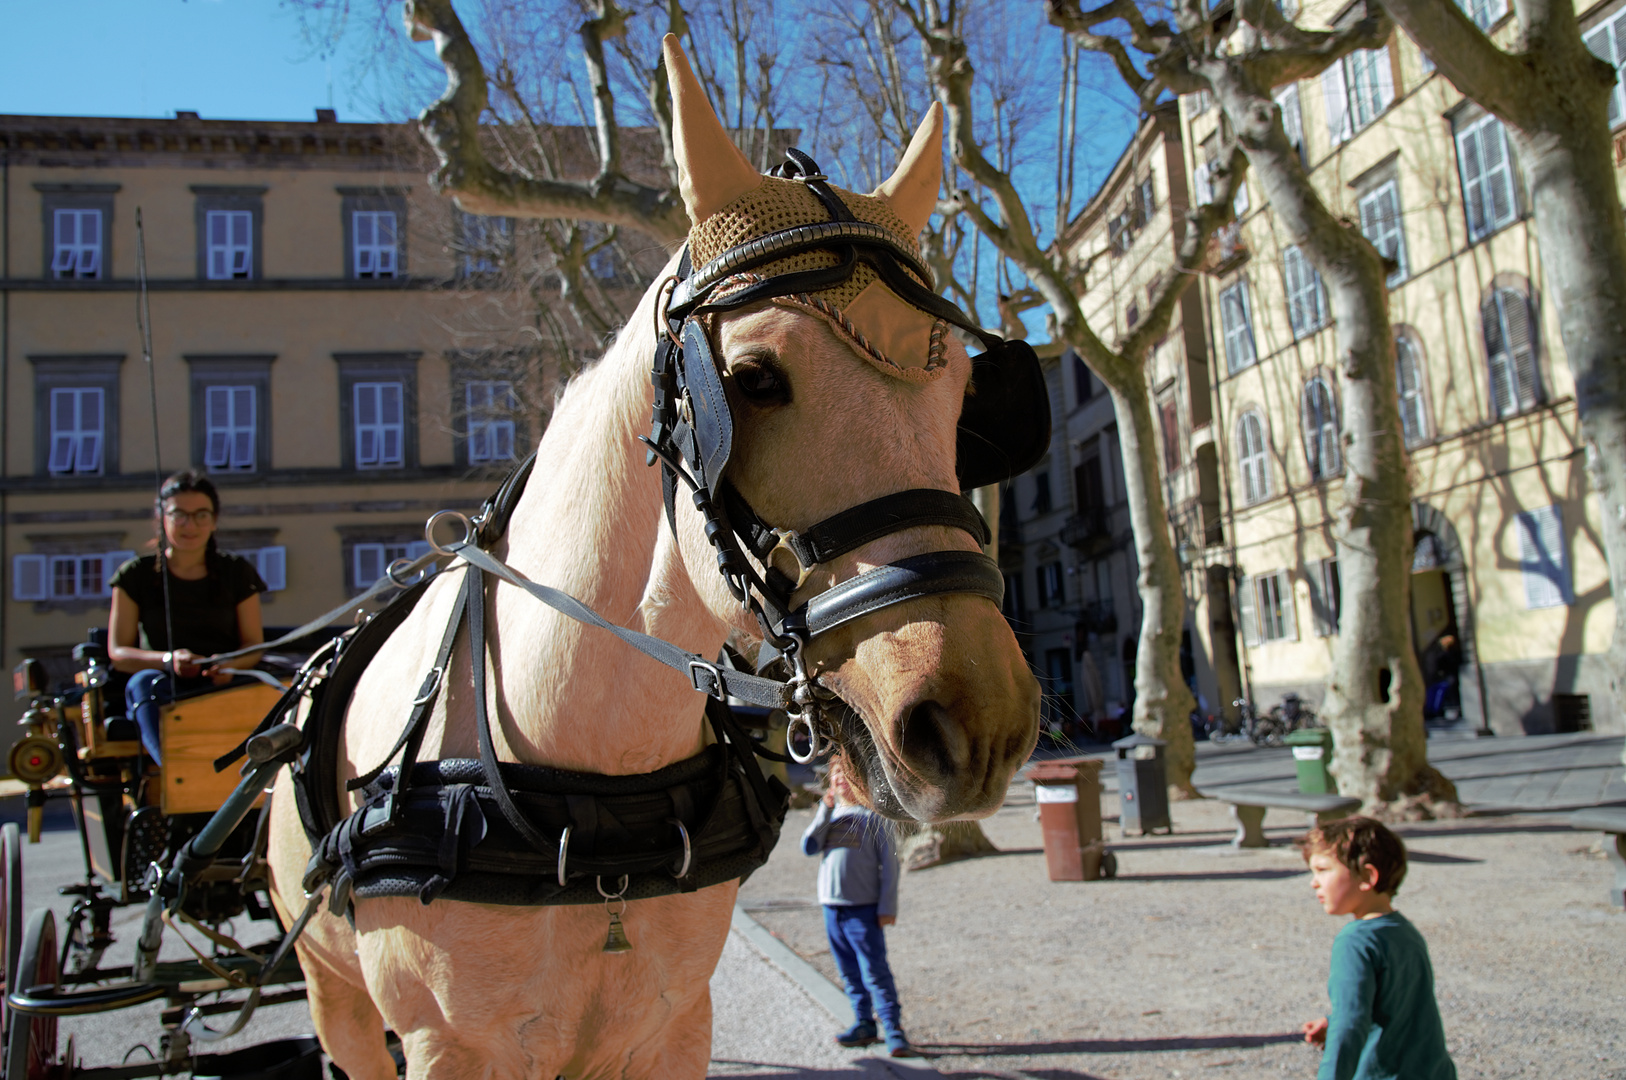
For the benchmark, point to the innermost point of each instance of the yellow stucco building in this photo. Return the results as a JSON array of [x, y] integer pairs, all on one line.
[[1508, 560], [310, 350]]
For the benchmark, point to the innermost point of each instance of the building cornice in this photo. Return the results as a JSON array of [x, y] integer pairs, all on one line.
[[103, 142]]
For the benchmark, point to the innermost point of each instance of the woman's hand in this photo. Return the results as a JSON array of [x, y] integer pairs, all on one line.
[[886, 920], [1315, 1031], [185, 663]]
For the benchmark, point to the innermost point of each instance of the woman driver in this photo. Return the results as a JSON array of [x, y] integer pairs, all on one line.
[[214, 606]]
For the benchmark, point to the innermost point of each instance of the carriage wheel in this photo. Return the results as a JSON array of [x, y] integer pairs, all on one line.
[[31, 1040], [11, 913]]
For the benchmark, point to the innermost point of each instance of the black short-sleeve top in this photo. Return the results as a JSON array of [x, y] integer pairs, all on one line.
[[203, 612]]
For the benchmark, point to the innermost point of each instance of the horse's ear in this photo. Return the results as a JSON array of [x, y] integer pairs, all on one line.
[[911, 190], [711, 170]]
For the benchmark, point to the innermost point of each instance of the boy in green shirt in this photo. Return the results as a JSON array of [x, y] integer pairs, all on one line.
[[1385, 1024]]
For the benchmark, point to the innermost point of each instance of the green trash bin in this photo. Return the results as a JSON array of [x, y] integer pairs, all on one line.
[[1312, 753]]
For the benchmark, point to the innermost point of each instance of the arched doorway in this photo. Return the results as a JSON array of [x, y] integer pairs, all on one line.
[[1442, 611]]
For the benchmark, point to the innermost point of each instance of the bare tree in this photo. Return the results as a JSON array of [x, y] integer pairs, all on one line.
[[1162, 700], [1374, 702], [1554, 95]]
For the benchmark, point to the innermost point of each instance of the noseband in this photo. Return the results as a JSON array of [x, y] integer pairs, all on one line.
[[1004, 429]]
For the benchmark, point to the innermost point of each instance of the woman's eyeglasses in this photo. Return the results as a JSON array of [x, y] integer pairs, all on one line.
[[202, 518]]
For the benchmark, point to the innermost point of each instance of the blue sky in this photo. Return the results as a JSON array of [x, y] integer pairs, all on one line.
[[226, 59]]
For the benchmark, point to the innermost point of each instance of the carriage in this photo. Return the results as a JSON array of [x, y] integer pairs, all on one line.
[[183, 839]]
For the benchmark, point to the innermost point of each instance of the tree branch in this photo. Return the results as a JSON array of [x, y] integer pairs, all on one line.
[[451, 126]]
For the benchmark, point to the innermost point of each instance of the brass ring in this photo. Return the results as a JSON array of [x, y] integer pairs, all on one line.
[[429, 531], [663, 296]]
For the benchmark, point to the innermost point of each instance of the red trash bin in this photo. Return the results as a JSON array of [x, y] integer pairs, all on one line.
[[1068, 792]]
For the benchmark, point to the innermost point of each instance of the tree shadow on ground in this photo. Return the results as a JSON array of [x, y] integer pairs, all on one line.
[[1219, 875], [949, 1051], [865, 1068]]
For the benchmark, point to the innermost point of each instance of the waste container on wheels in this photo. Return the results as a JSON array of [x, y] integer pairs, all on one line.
[[1312, 754], [1068, 792], [1143, 785]]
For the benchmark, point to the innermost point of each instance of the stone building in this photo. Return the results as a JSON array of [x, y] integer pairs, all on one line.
[[323, 345], [1508, 560]]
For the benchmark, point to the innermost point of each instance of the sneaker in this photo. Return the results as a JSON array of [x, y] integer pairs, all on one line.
[[897, 1044], [860, 1034]]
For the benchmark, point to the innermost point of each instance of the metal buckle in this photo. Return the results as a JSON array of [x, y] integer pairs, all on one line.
[[716, 679], [688, 851], [564, 851], [787, 537], [431, 684]]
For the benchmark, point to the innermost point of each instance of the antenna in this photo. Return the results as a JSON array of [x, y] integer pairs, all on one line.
[[144, 325]]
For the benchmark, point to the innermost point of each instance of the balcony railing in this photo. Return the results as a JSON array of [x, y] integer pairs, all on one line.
[[1086, 531]]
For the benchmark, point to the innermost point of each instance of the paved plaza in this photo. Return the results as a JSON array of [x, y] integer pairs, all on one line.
[[1198, 960]]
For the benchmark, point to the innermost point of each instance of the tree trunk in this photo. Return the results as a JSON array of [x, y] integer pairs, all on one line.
[[1163, 702], [1374, 702], [950, 841]]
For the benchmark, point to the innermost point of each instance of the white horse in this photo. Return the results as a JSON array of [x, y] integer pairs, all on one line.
[[946, 698]]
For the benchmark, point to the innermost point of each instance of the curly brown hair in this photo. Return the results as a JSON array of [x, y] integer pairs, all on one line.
[[1359, 842]]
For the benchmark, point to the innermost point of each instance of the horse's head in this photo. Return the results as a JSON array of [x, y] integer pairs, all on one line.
[[839, 395]]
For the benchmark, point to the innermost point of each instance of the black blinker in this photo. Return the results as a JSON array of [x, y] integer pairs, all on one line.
[[1005, 422]]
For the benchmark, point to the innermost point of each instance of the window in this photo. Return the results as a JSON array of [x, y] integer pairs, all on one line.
[[1356, 91], [77, 436], [485, 242], [1306, 296], [1544, 559], [1048, 578], [380, 425], [490, 406], [1487, 13], [1236, 319], [1089, 489], [1015, 603], [1250, 453], [1607, 41], [229, 428], [76, 244], [1041, 492], [1287, 99], [1326, 597], [1120, 231], [229, 222], [1487, 177], [1380, 222], [1083, 389], [272, 564], [1200, 102], [1409, 385], [82, 576], [373, 249], [1058, 693], [1320, 431], [1169, 415], [230, 244], [1511, 347], [1145, 200], [1266, 604], [1132, 316], [368, 561]]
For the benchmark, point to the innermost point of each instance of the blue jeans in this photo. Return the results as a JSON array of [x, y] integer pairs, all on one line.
[[147, 691], [859, 946]]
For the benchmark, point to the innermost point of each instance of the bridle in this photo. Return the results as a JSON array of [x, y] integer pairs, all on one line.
[[1004, 429]]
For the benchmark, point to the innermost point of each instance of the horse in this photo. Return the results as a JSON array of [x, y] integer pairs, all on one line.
[[941, 703]]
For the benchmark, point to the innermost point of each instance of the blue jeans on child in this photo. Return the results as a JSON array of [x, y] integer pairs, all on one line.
[[859, 946], [144, 694]]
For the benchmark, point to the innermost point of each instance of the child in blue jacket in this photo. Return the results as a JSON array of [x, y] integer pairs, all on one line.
[[858, 886]]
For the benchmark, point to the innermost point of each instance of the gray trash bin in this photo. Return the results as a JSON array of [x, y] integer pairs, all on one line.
[[1143, 785]]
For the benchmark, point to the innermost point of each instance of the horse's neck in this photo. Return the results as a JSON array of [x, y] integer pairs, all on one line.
[[591, 523]]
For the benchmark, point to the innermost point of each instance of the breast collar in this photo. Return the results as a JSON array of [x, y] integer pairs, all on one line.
[[691, 435]]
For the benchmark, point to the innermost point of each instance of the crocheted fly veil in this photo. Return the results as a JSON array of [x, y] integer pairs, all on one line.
[[734, 205]]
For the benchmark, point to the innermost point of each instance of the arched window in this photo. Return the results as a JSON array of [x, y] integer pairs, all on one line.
[[1320, 431], [1409, 383], [1250, 452], [1510, 342]]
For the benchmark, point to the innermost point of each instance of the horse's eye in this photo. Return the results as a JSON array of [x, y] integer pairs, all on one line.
[[761, 383]]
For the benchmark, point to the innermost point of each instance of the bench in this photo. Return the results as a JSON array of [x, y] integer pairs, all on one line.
[[1611, 821], [1248, 806]]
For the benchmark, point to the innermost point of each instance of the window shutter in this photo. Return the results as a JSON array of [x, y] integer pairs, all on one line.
[[273, 566], [1384, 77], [369, 564], [1202, 187], [30, 579], [1498, 172], [1320, 608], [110, 566], [1605, 42], [1336, 98], [1521, 346], [1245, 604], [1292, 118], [502, 440], [1290, 621], [1544, 559], [1240, 203]]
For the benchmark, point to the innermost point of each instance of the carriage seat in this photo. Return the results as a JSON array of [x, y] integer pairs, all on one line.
[[198, 727]]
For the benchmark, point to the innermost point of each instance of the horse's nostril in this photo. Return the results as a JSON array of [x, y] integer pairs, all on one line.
[[932, 741]]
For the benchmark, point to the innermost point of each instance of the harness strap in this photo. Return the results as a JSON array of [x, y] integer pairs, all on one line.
[[907, 579], [705, 676], [853, 528], [412, 734]]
